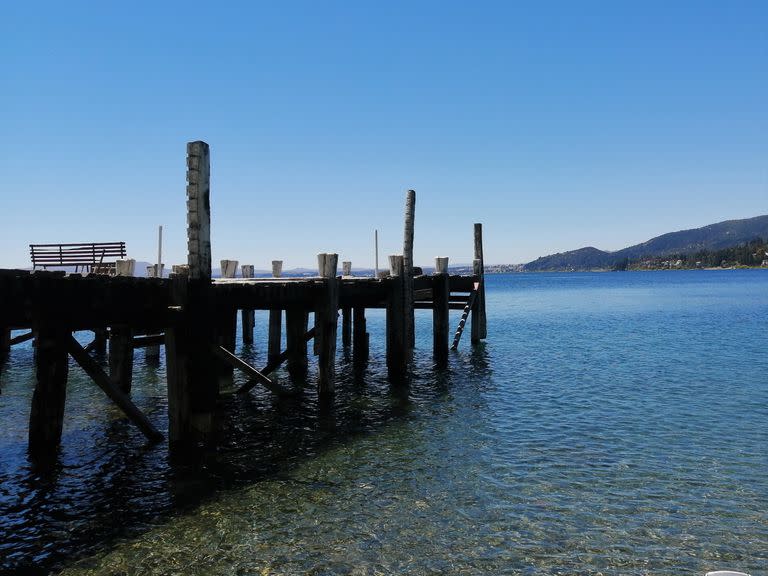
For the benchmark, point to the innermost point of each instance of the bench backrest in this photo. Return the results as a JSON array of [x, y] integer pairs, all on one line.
[[84, 254]]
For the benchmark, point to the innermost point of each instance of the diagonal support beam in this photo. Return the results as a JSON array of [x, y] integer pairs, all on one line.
[[103, 381], [273, 365], [257, 377], [21, 338]]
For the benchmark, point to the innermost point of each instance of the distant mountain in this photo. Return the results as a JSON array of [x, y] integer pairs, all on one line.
[[713, 237]]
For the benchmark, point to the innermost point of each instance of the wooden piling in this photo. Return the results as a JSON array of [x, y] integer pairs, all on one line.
[[346, 327], [192, 385], [5, 342], [326, 321], [46, 417], [121, 357], [479, 324], [359, 337], [152, 353], [346, 268], [99, 342], [296, 324], [440, 312], [397, 343], [275, 320], [248, 317], [410, 326]]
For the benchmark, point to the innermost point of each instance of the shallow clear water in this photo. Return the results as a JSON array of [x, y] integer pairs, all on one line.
[[612, 423]]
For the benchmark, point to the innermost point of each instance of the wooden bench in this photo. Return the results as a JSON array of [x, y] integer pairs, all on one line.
[[98, 257]]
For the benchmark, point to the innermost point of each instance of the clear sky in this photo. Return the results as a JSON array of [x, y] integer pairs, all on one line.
[[556, 124]]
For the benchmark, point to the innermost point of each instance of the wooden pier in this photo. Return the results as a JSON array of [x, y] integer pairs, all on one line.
[[194, 317]]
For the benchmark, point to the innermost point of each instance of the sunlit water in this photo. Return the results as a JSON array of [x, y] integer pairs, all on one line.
[[612, 423]]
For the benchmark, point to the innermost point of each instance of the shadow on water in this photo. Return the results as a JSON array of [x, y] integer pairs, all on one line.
[[107, 484]]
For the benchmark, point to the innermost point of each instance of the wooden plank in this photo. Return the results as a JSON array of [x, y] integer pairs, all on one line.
[[117, 396], [148, 340]]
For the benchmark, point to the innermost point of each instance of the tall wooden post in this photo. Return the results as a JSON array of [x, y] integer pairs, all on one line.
[[326, 321], [121, 357], [275, 320], [248, 317], [359, 337], [346, 312], [99, 344], [397, 344], [152, 353], [479, 325], [410, 326], [192, 385], [440, 312], [296, 321]]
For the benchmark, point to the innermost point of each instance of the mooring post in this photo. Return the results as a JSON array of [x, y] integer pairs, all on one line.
[[410, 321], [248, 316], [359, 337], [275, 320], [440, 311], [46, 417], [296, 324], [397, 344], [479, 325], [326, 321], [121, 356], [192, 385]]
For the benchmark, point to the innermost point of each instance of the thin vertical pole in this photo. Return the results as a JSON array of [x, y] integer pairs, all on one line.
[[160, 251], [376, 253]]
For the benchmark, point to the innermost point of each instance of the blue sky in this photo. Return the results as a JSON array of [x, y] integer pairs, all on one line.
[[556, 124]]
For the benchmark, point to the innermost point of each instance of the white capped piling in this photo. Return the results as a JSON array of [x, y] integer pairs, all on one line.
[[275, 320], [440, 311], [248, 316], [326, 315]]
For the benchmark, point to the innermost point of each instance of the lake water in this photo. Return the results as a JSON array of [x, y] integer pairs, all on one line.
[[612, 423]]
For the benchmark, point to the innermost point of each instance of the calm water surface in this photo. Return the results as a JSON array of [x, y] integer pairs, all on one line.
[[612, 423]]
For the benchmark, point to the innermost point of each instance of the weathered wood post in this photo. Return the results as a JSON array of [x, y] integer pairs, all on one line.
[[46, 417], [326, 321], [192, 385], [397, 344], [275, 320], [479, 325], [248, 317], [296, 324], [226, 323], [153, 352], [346, 312], [359, 337], [5, 342], [440, 311], [410, 326], [121, 356]]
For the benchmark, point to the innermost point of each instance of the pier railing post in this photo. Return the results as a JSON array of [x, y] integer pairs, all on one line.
[[275, 320], [479, 325], [410, 326], [440, 311], [326, 322], [397, 344], [248, 317]]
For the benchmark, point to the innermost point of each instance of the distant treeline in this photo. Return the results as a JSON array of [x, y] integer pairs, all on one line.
[[753, 254]]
